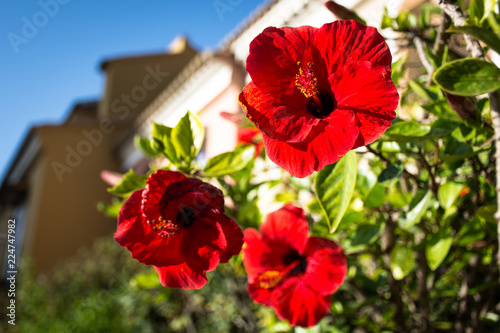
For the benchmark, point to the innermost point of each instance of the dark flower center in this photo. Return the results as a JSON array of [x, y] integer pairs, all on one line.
[[320, 105], [186, 217], [293, 257], [169, 228], [300, 268]]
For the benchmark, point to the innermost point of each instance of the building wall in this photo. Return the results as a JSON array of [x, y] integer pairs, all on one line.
[[61, 210]]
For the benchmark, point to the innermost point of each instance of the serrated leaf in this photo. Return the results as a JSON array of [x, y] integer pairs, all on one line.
[[230, 162], [415, 214], [468, 77], [437, 247], [129, 184], [334, 186], [402, 261], [448, 193]]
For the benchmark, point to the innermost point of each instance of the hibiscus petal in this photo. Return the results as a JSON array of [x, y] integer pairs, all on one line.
[[273, 118], [181, 276], [272, 63], [190, 193], [260, 295], [260, 257], [300, 305], [233, 235], [286, 227], [253, 253], [155, 188], [137, 236], [203, 242], [369, 92], [323, 149], [340, 43], [326, 265]]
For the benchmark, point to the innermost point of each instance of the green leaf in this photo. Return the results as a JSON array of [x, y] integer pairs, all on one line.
[[442, 110], [407, 131], [448, 193], [422, 91], [433, 59], [402, 261], [470, 232], [489, 7], [476, 9], [364, 235], [487, 213], [146, 280], [198, 133], [415, 214], [437, 247], [183, 140], [230, 162], [129, 184], [480, 9], [163, 143], [390, 174], [457, 149], [376, 197], [468, 77], [112, 209], [334, 187], [493, 21], [481, 33], [398, 199], [144, 145]]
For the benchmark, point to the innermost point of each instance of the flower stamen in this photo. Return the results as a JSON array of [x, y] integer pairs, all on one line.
[[306, 81], [164, 228], [269, 279]]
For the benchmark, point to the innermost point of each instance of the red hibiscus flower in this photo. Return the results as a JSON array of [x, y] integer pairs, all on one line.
[[318, 93], [178, 225], [293, 273]]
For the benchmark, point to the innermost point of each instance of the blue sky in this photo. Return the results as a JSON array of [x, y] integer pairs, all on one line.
[[50, 50]]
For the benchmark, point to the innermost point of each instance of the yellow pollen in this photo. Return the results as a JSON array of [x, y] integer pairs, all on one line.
[[269, 279], [305, 80], [164, 228]]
